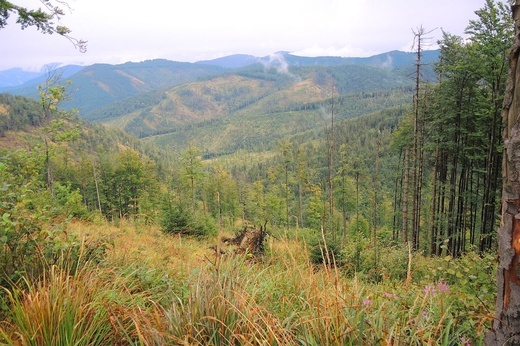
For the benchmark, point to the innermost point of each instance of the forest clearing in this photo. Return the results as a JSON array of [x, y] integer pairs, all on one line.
[[156, 289]]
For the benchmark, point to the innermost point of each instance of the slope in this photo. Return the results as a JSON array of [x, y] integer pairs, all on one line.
[[255, 106], [95, 86]]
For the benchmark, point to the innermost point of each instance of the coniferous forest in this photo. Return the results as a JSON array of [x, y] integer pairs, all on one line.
[[253, 207]]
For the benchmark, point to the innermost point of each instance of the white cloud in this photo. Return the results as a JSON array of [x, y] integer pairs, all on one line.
[[120, 31]]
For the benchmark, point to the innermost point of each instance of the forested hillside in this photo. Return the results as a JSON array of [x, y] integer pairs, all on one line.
[[100, 85], [254, 106], [95, 86]]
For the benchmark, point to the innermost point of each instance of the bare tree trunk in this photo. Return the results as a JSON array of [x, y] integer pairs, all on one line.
[[97, 186], [331, 165], [506, 326], [357, 203], [343, 208], [405, 194], [433, 235], [375, 201], [300, 203], [420, 175], [49, 179], [397, 222], [286, 196], [398, 192], [417, 140], [415, 165]]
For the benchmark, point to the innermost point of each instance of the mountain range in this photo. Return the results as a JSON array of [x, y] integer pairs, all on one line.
[[247, 100], [14, 78]]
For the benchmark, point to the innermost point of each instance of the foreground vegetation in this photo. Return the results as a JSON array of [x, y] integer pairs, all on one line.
[[70, 276], [151, 288]]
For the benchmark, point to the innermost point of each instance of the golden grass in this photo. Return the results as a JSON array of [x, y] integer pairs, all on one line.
[[161, 289], [145, 244], [59, 309]]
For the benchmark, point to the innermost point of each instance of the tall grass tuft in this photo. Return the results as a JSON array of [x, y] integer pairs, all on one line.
[[58, 309], [222, 309]]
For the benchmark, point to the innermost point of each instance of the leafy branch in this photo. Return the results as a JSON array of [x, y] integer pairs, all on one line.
[[43, 20]]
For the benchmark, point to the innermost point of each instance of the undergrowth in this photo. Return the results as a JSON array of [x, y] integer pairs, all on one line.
[[157, 289]]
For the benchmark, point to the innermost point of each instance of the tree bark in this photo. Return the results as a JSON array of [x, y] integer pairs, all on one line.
[[506, 326]]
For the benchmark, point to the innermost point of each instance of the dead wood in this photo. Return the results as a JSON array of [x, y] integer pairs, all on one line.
[[248, 240]]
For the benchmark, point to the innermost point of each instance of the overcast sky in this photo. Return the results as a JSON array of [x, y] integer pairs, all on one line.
[[118, 31]]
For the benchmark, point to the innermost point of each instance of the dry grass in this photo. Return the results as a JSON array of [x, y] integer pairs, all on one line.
[[146, 244], [59, 310], [157, 289]]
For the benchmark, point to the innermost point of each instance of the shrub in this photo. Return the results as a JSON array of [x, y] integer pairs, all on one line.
[[176, 219], [202, 225], [70, 200]]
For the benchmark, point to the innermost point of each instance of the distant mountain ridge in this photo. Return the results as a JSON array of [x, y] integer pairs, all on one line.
[[100, 85], [10, 79], [390, 60], [232, 61], [16, 77]]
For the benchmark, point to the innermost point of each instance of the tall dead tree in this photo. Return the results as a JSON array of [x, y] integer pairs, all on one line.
[[331, 162], [406, 185], [416, 204], [418, 132], [506, 326]]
